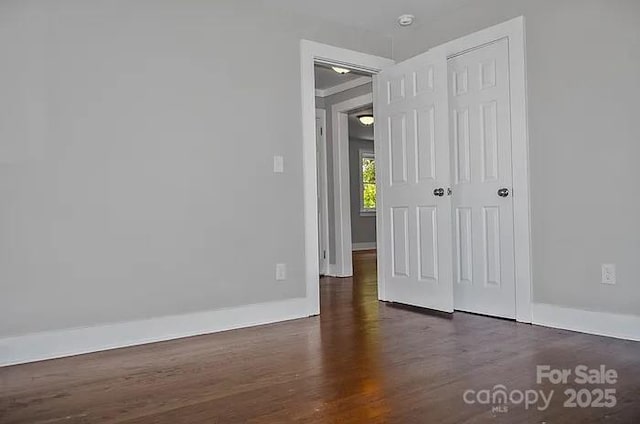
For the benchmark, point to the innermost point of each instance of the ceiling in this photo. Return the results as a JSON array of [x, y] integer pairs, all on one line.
[[327, 77], [376, 16]]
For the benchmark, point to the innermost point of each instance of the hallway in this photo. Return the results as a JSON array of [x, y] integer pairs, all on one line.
[[361, 361]]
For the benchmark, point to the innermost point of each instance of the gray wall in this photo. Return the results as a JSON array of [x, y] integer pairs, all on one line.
[[329, 101], [583, 63], [123, 126], [132, 174], [363, 227]]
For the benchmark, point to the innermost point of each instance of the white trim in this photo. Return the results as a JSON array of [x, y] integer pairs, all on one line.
[[369, 245], [311, 52], [341, 179], [323, 194], [380, 252], [332, 271], [513, 30], [75, 341], [599, 323], [343, 87]]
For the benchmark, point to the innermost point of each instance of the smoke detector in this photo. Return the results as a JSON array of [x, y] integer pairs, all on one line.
[[405, 20]]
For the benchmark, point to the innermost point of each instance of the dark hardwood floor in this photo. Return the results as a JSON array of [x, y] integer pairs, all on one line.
[[361, 361]]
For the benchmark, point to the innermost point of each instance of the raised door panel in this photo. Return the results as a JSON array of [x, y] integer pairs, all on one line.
[[398, 148], [461, 145], [464, 245], [425, 142], [427, 243], [491, 245], [400, 241]]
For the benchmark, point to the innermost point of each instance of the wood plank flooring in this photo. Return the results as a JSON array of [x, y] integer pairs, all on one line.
[[361, 361]]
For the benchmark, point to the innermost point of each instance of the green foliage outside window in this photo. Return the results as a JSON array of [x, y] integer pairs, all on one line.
[[368, 183]]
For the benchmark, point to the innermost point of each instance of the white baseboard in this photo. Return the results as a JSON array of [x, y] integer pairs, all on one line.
[[60, 343], [599, 323], [363, 246]]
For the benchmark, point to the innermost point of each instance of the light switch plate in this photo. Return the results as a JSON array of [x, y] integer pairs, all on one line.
[[278, 164], [608, 273], [281, 272]]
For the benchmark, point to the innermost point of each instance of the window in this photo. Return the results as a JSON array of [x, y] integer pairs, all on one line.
[[367, 182]]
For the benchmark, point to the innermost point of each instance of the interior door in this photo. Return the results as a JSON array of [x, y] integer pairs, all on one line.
[[484, 280], [414, 209]]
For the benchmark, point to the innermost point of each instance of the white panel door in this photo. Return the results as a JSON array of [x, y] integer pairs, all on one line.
[[480, 131], [414, 210]]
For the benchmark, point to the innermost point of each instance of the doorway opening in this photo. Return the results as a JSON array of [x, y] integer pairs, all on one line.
[[345, 153], [313, 53]]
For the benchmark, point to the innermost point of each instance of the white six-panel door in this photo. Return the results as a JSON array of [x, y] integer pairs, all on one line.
[[480, 129], [412, 153]]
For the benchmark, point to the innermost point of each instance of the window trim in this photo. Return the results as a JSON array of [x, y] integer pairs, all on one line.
[[365, 154]]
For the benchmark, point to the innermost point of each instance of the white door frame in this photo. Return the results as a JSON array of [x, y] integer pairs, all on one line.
[[323, 193], [311, 52], [513, 30], [341, 181]]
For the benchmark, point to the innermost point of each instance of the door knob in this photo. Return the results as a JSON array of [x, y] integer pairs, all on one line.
[[438, 192], [503, 192]]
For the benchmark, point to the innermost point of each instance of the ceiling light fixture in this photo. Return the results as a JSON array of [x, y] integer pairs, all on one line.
[[340, 70], [405, 20], [366, 120]]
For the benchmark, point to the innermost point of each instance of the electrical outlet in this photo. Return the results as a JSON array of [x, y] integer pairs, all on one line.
[[278, 164], [281, 272], [608, 273]]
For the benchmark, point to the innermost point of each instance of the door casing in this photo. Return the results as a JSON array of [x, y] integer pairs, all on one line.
[[323, 199], [312, 52]]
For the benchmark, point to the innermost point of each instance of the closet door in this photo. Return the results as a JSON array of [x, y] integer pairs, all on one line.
[[480, 128]]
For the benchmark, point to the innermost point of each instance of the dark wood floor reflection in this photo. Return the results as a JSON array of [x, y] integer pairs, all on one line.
[[360, 362]]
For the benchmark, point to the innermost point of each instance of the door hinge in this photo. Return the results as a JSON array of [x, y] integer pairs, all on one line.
[[321, 129], [324, 254]]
